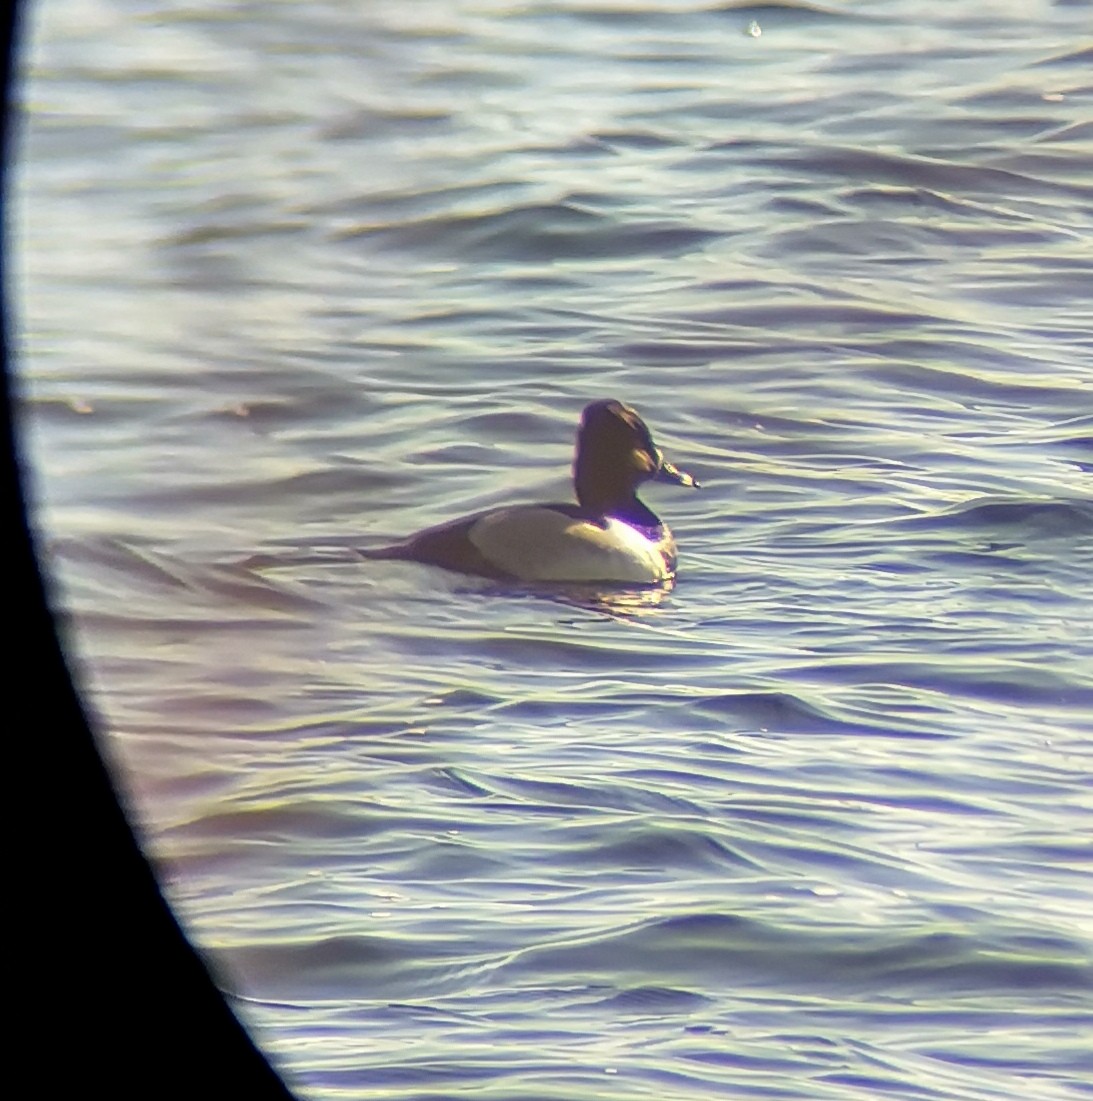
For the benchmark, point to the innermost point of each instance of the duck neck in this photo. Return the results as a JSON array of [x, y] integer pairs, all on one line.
[[627, 508]]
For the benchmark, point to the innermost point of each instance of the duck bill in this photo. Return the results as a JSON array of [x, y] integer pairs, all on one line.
[[666, 472]]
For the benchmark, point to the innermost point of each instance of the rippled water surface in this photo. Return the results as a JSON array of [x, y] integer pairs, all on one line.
[[296, 279]]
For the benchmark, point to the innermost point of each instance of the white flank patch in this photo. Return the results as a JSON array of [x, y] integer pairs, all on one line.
[[539, 544]]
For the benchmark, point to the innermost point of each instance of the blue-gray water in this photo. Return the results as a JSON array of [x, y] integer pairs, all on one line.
[[817, 824]]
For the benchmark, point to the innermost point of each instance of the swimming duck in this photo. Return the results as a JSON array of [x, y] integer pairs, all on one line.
[[608, 536]]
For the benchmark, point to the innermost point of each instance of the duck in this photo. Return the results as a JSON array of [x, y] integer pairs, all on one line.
[[608, 536]]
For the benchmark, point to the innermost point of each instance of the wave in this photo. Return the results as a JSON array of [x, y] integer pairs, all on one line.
[[536, 231], [1028, 520]]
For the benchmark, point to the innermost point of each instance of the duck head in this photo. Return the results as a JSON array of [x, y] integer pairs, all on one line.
[[615, 456]]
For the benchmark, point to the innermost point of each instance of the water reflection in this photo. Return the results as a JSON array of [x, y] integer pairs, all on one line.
[[618, 602]]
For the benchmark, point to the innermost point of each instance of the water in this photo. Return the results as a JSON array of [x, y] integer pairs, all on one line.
[[814, 824]]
